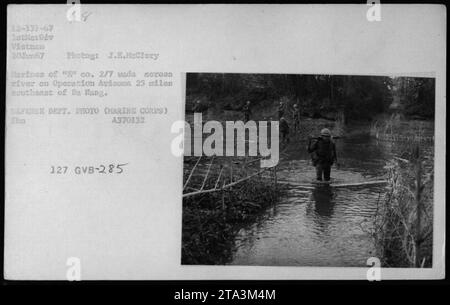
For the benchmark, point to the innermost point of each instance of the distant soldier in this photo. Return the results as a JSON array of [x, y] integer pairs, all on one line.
[[197, 106], [247, 111], [296, 117], [323, 154], [284, 130], [280, 110]]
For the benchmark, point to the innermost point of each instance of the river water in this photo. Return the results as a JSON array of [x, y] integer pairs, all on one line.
[[323, 225]]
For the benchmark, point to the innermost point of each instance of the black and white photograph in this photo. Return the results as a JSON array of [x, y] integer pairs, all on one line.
[[353, 179], [220, 151]]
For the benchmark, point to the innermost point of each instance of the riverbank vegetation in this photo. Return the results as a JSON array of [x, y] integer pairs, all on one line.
[[399, 110], [403, 226], [354, 98], [212, 220]]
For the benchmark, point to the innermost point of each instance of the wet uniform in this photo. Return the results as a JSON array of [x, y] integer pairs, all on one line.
[[323, 155]]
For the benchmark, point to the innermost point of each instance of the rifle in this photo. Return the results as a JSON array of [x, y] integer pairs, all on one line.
[[333, 138]]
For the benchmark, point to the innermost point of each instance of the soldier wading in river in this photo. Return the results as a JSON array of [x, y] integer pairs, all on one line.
[[247, 111], [296, 117], [323, 154], [281, 108], [284, 130]]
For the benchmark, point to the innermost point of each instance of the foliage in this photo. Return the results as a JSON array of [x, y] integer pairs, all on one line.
[[358, 97], [404, 223], [416, 96], [209, 225]]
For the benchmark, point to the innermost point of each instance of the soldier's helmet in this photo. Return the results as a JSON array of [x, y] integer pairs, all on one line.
[[325, 132]]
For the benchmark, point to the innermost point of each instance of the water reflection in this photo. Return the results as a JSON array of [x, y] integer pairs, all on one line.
[[323, 226], [323, 201]]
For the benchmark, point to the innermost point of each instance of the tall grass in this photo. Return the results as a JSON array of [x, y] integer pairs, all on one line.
[[396, 128], [403, 227]]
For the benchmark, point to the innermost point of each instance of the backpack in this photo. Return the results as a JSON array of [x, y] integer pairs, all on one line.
[[313, 154], [284, 126], [323, 152]]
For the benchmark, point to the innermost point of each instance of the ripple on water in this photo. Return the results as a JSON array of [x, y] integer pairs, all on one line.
[[320, 226]]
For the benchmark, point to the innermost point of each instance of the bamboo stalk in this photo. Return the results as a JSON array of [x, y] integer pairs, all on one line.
[[218, 178], [192, 171], [207, 173], [401, 159], [223, 196], [360, 183], [225, 186], [311, 186], [254, 160], [418, 207]]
